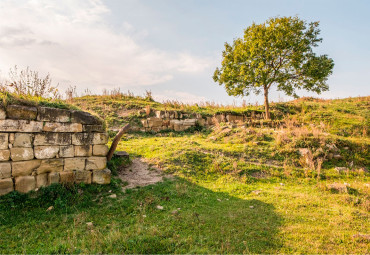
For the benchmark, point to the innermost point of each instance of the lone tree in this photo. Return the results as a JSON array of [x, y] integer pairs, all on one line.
[[277, 52]]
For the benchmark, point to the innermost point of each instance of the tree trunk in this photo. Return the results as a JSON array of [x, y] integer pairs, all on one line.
[[267, 106], [116, 141]]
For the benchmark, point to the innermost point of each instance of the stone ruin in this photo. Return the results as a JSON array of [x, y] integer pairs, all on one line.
[[179, 121], [40, 146]]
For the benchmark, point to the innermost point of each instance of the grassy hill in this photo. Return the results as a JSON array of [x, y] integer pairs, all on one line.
[[300, 188]]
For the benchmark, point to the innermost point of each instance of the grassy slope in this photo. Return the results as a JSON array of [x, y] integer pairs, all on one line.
[[228, 204]]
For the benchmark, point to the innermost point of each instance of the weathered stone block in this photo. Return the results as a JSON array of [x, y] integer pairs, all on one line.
[[74, 164], [66, 151], [67, 177], [145, 123], [2, 114], [11, 138], [220, 118], [4, 142], [4, 155], [83, 150], [154, 122], [24, 167], [22, 140], [50, 165], [21, 112], [25, 184], [83, 176], [100, 150], [53, 139], [53, 178], [24, 126], [54, 114], [5, 170], [89, 138], [20, 154], [96, 163], [62, 127], [41, 180], [101, 176], [189, 122], [44, 152], [201, 122], [6, 186], [234, 118], [100, 138], [85, 118], [93, 128]]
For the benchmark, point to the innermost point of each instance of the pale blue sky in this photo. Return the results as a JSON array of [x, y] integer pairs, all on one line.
[[170, 47]]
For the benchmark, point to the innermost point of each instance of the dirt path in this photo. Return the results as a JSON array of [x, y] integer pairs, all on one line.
[[139, 174]]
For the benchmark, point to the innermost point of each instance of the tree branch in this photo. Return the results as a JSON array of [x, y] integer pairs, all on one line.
[[116, 140]]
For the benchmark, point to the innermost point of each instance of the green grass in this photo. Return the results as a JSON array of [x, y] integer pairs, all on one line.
[[224, 207]]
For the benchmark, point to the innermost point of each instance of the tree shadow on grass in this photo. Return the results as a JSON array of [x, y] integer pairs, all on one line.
[[193, 220]]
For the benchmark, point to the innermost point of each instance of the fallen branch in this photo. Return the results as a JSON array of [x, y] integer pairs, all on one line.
[[116, 140]]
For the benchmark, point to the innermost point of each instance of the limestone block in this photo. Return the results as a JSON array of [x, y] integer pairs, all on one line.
[[83, 150], [53, 178], [100, 150], [96, 163], [74, 164], [2, 114], [25, 184], [50, 165], [4, 155], [67, 177], [25, 126], [159, 114], [53, 114], [20, 154], [4, 142], [220, 118], [66, 151], [201, 122], [22, 140], [189, 122], [21, 112], [11, 138], [234, 118], [53, 139], [93, 128], [44, 152], [154, 122], [41, 180], [24, 167], [5, 170], [100, 138], [145, 123], [6, 186], [62, 127], [85, 118], [83, 176], [101, 176], [210, 121], [89, 138]]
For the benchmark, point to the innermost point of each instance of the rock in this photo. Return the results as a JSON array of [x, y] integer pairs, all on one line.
[[85, 118], [330, 155], [2, 114], [21, 112], [74, 164], [67, 177], [24, 184], [23, 126], [41, 180], [44, 152], [89, 224], [5, 170], [93, 128], [24, 167], [154, 122], [251, 206], [83, 150], [159, 207], [21, 154], [89, 138], [234, 118], [101, 176], [53, 139], [53, 178], [100, 150], [121, 154], [341, 169], [4, 142], [189, 122], [50, 165], [62, 127], [113, 196], [337, 156], [53, 114], [337, 187], [6, 186], [66, 151], [83, 176], [22, 140], [11, 138], [4, 155], [96, 163], [50, 208]]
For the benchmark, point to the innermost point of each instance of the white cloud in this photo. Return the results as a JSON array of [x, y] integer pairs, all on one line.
[[71, 40]]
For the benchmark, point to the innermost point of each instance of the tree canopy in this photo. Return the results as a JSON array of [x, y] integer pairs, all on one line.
[[278, 52]]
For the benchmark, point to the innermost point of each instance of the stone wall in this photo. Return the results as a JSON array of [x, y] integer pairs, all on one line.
[[40, 146], [180, 122]]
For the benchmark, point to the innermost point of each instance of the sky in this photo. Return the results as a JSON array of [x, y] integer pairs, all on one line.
[[170, 47]]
